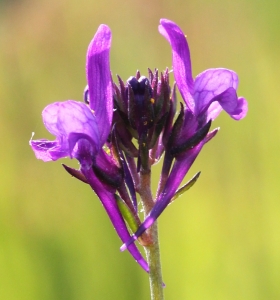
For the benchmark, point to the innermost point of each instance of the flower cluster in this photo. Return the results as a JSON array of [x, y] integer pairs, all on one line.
[[123, 128]]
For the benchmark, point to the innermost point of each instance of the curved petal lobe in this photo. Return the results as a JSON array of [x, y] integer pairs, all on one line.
[[99, 80], [241, 109], [228, 100], [48, 150], [69, 121], [211, 83], [180, 58]]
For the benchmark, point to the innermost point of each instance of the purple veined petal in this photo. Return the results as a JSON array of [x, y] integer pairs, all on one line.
[[69, 121], [109, 203], [213, 111], [99, 80], [209, 84], [181, 60], [241, 109], [48, 150], [177, 174], [234, 106]]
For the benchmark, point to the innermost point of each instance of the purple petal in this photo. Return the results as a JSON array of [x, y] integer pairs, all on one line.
[[111, 207], [213, 111], [234, 106], [69, 121], [48, 150], [99, 80], [209, 84], [180, 58], [241, 109], [177, 174]]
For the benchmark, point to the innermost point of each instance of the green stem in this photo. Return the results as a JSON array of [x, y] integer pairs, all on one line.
[[152, 250], [153, 258]]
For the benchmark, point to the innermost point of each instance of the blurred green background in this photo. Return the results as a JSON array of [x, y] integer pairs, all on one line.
[[222, 239]]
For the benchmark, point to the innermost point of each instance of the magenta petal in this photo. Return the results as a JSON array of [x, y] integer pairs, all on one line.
[[241, 109], [99, 80], [69, 121], [211, 83], [62, 119], [48, 150], [213, 111], [180, 58], [234, 106]]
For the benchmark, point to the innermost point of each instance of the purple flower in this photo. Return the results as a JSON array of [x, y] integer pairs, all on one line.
[[82, 130], [205, 97]]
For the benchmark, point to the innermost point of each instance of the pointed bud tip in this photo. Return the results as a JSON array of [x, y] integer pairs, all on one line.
[[123, 248], [75, 173], [129, 242]]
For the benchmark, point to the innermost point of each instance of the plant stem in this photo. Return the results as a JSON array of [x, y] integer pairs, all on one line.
[[153, 258], [152, 250]]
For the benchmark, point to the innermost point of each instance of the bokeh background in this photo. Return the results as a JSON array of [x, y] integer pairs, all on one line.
[[219, 241]]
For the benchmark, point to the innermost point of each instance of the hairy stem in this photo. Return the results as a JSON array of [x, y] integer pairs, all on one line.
[[152, 250], [153, 258]]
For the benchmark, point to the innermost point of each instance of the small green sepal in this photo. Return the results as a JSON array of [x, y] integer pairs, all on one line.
[[185, 187], [127, 214]]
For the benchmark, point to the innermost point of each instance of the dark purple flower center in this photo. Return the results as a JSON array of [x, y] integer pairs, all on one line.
[[139, 86]]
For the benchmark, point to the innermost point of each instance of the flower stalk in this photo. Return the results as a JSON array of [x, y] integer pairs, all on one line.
[[152, 250], [153, 259]]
